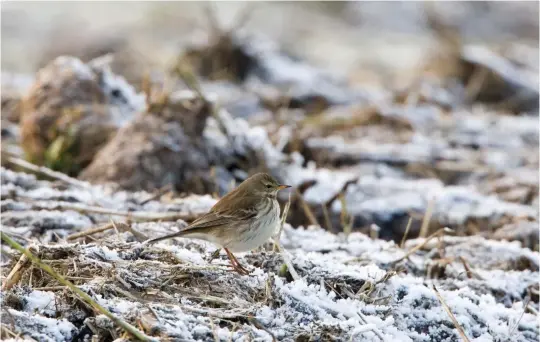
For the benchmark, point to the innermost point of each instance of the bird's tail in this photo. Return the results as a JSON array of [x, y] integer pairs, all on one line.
[[189, 231], [166, 237]]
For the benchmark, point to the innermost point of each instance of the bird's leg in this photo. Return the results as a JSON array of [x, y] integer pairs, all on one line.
[[235, 264]]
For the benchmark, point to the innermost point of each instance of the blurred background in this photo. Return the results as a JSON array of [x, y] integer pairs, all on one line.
[[347, 37], [366, 107]]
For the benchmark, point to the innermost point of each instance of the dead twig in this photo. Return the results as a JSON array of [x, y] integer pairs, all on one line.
[[47, 172], [81, 294], [404, 238], [287, 260], [283, 219], [257, 324], [326, 215], [466, 266], [415, 248], [307, 210], [134, 215], [15, 274], [427, 217], [451, 315], [51, 288], [520, 317], [162, 191], [100, 229], [346, 219]]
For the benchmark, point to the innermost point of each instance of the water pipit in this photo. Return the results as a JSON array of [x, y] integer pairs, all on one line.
[[241, 221]]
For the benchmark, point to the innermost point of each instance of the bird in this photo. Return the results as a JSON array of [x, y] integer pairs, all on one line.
[[241, 221]]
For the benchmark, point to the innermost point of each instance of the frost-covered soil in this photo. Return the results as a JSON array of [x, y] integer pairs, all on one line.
[[353, 288]]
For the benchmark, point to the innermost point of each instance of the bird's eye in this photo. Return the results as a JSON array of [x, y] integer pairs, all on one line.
[[268, 186]]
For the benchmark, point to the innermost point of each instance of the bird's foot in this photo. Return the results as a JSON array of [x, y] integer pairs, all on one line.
[[240, 269], [236, 264]]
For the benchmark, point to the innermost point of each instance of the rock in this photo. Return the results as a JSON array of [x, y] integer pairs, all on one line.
[[506, 84], [14, 86], [72, 110], [162, 146], [524, 231], [258, 64]]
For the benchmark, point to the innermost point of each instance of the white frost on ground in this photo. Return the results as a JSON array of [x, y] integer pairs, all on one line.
[[348, 290]]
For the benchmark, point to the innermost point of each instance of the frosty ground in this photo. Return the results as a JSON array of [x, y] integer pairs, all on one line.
[[352, 288]]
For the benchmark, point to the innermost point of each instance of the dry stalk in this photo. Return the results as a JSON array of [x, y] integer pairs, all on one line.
[[283, 219], [257, 324], [346, 219], [327, 220], [451, 315], [287, 260], [136, 215], [15, 275], [191, 81], [307, 210], [214, 312], [47, 172], [404, 238], [100, 229], [162, 191], [475, 84], [427, 217], [415, 248], [520, 317], [466, 266], [81, 294]]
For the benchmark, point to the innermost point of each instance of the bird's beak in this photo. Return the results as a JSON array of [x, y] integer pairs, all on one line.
[[281, 187]]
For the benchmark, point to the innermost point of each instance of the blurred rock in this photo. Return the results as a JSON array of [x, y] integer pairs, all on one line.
[[71, 110], [14, 86], [258, 64], [161, 146], [86, 45], [488, 76], [176, 143], [500, 81], [524, 231]]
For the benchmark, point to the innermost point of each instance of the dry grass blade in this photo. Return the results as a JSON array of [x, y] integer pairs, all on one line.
[[520, 317], [257, 324], [327, 221], [135, 215], [307, 209], [415, 248], [427, 217], [15, 275], [189, 78], [277, 243], [451, 315], [404, 238], [85, 297], [158, 194], [47, 172], [466, 266], [88, 232], [346, 219], [283, 219], [287, 260]]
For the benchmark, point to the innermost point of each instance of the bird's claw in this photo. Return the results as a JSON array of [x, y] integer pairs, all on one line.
[[239, 268]]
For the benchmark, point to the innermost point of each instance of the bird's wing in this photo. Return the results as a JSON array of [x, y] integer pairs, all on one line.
[[219, 216], [238, 209]]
